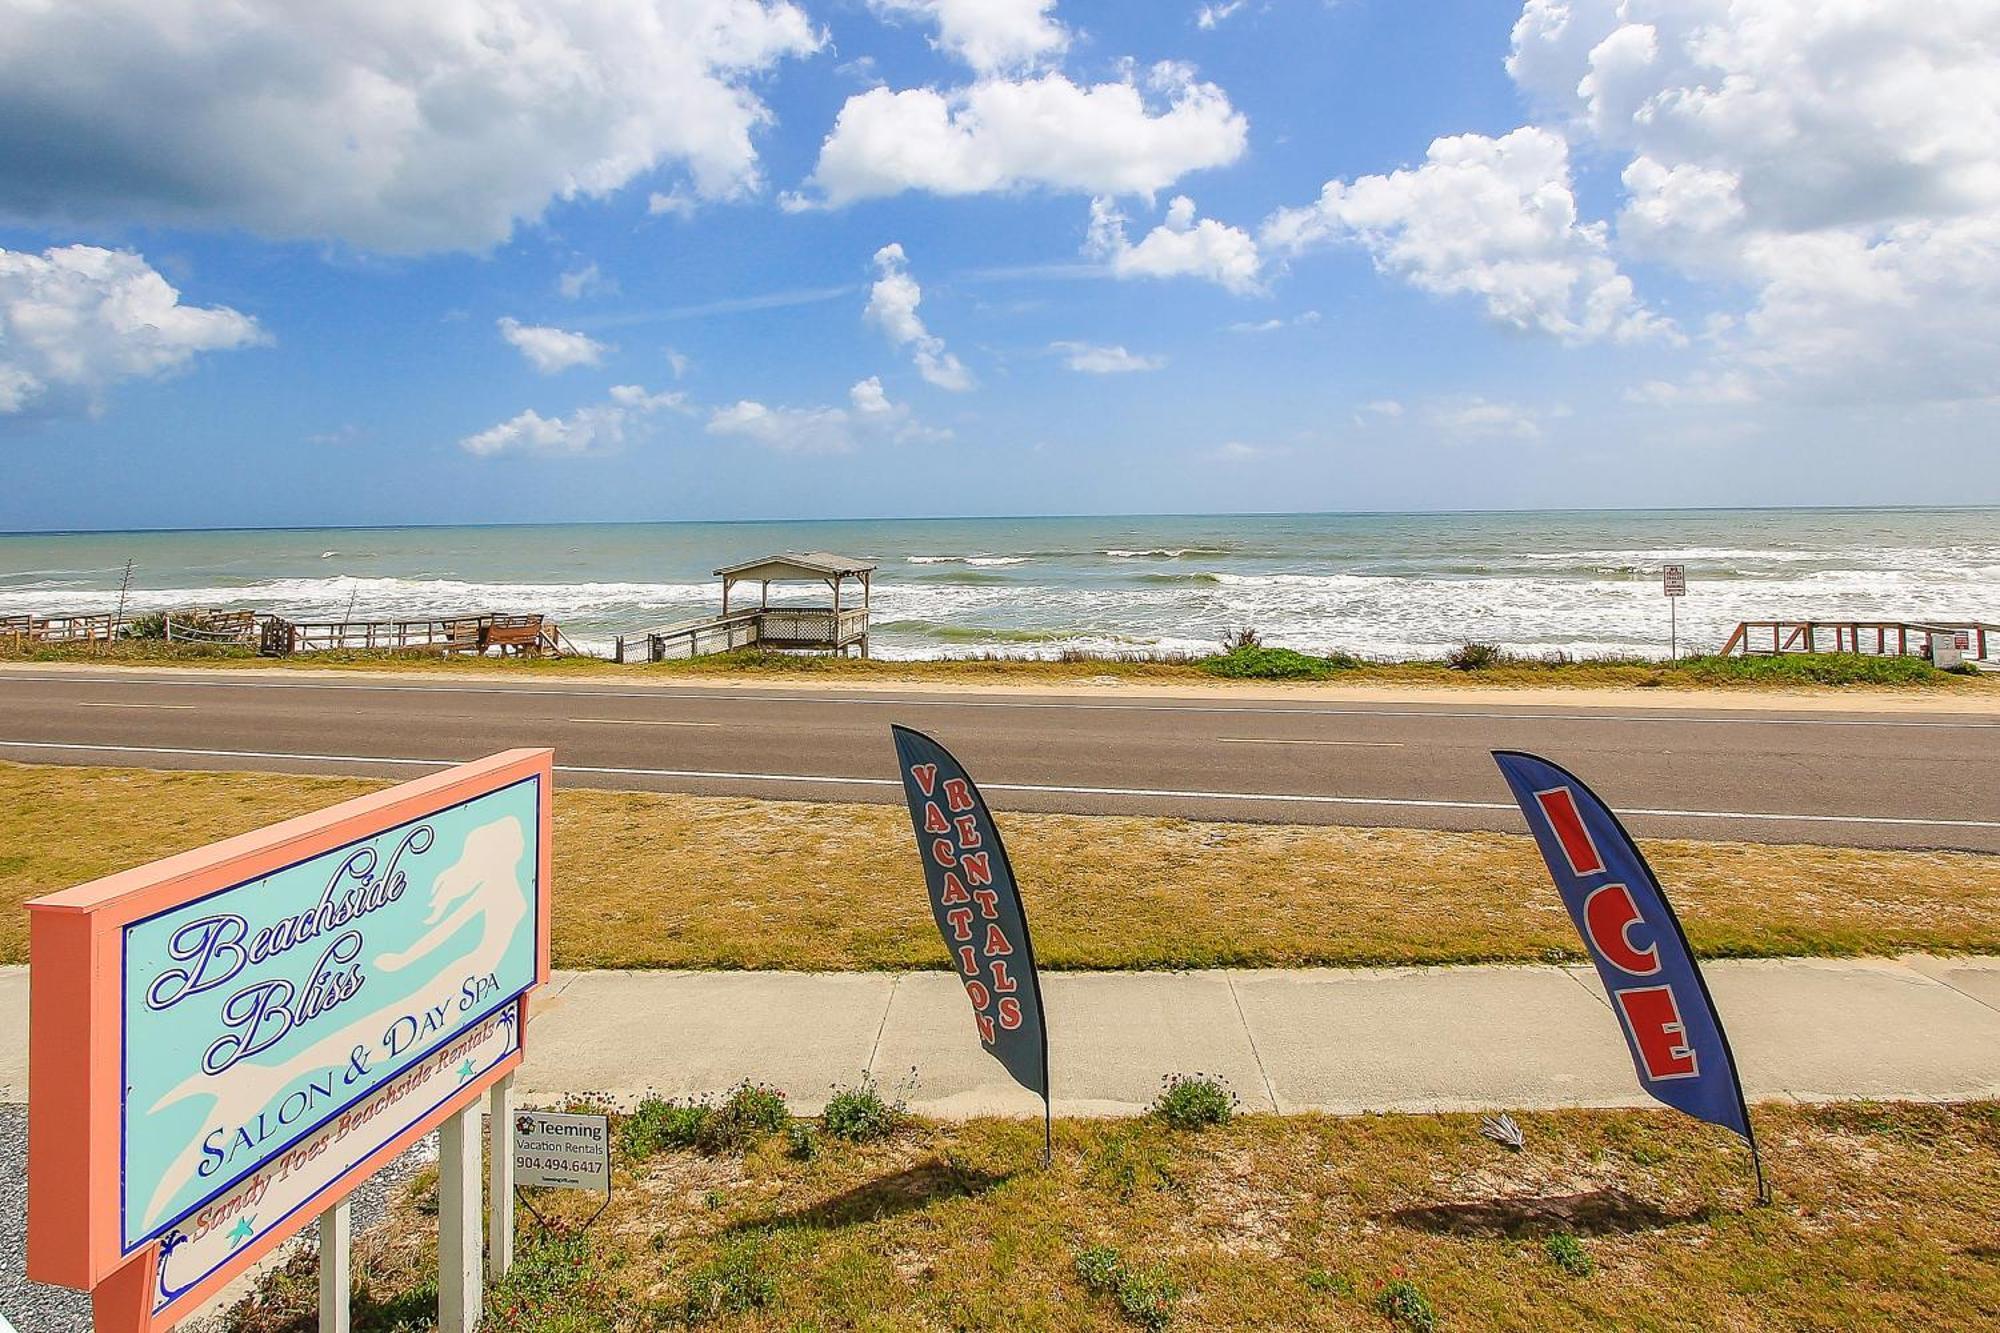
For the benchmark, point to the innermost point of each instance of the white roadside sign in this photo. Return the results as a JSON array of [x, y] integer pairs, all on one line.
[[1674, 580], [564, 1152]]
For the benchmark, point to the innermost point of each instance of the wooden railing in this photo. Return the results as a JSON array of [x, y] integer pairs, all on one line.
[[212, 626], [520, 635], [1876, 638], [59, 629], [811, 626], [778, 627]]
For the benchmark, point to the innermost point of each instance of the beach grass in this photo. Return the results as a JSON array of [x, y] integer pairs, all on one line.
[[1810, 672], [647, 880], [1883, 1219]]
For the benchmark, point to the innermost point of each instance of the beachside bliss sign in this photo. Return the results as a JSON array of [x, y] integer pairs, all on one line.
[[227, 1042]]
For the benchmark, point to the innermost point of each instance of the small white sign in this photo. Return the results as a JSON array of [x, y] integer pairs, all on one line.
[[1674, 579], [562, 1152]]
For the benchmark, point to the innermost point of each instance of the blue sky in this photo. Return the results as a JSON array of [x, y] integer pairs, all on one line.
[[628, 260]]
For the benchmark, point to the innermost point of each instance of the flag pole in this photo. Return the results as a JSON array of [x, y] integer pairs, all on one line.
[[1756, 1161]]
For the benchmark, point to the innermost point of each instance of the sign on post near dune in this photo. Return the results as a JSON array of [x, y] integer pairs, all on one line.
[[225, 1043]]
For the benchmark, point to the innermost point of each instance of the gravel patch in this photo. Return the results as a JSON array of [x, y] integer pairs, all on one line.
[[29, 1306]]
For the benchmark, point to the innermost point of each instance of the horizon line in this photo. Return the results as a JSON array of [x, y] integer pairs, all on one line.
[[1006, 518]]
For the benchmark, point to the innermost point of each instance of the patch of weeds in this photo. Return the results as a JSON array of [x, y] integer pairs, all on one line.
[[1475, 656], [556, 1284], [1402, 1304], [1646, 1154], [1568, 1254], [734, 1282], [714, 1200], [1146, 1297], [1194, 1101], [1129, 1161], [801, 1144], [746, 1115], [657, 1125], [1329, 1284], [423, 1191], [861, 1114]]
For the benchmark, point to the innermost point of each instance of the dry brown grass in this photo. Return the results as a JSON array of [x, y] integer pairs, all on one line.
[[1883, 1220], [647, 880]]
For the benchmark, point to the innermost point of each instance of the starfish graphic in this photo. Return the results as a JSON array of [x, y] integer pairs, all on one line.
[[465, 1071], [245, 1227]]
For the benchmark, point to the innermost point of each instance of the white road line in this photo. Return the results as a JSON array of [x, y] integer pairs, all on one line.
[[1158, 793], [1297, 740], [668, 693], [642, 722], [94, 703]]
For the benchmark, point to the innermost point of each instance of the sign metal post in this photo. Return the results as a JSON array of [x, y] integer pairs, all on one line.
[[1673, 582]]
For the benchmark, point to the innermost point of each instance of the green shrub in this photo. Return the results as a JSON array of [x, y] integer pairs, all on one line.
[[151, 625], [1812, 669], [1474, 656], [801, 1144], [860, 1114], [1332, 1284], [1194, 1101], [1401, 1303], [657, 1125], [556, 1283], [1260, 663], [1569, 1255], [1099, 1267], [747, 1114], [735, 1282], [1146, 1298]]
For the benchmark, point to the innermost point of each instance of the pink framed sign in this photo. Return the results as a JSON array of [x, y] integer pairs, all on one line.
[[225, 1043]]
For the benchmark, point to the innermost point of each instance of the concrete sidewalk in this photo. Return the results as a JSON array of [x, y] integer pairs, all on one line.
[[1364, 1039]]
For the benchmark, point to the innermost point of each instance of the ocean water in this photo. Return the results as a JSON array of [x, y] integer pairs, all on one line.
[[1385, 585]]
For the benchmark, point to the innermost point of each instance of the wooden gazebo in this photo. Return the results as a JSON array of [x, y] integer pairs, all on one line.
[[836, 628]]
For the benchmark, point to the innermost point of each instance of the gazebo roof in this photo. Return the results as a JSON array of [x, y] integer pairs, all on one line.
[[798, 565]]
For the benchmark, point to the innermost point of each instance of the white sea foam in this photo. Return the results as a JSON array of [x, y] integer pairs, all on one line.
[[1397, 586]]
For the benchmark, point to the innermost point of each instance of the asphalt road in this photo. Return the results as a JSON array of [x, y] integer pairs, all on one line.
[[1859, 779]]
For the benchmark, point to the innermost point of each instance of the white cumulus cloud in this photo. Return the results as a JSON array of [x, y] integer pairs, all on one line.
[[1494, 219], [76, 319], [593, 429], [1839, 162], [1481, 418], [892, 306], [392, 126], [1210, 16], [989, 35], [1180, 247], [824, 430], [1093, 359], [1044, 132], [551, 350], [588, 280]]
